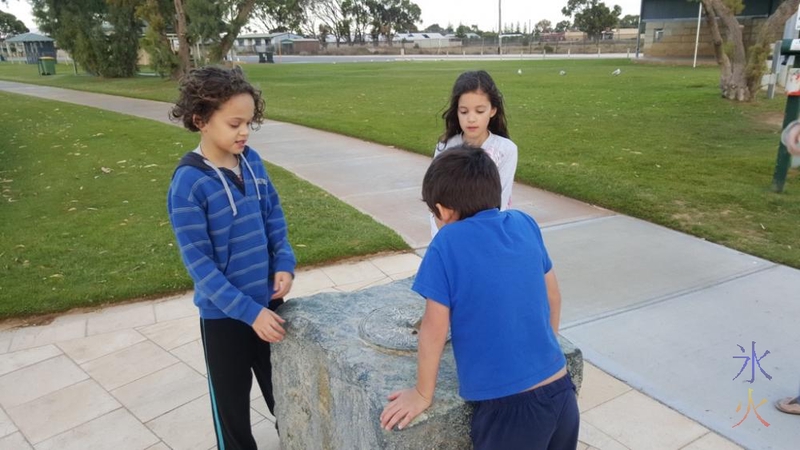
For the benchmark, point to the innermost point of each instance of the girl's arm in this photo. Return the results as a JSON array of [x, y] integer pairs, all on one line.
[[407, 404], [507, 169]]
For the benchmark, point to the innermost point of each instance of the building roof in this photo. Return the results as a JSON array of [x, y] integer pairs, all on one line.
[[419, 36], [29, 37]]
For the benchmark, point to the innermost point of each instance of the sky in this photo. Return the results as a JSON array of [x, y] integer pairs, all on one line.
[[469, 12]]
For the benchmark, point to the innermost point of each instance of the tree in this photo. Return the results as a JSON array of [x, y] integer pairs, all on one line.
[[462, 30], [237, 13], [333, 14], [10, 26], [102, 36], [629, 21], [163, 60], [591, 16], [563, 26], [389, 16], [183, 37], [324, 31], [741, 68], [281, 15], [358, 12], [122, 43], [543, 26], [434, 28]]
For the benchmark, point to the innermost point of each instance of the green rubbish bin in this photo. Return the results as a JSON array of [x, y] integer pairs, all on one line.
[[47, 65]]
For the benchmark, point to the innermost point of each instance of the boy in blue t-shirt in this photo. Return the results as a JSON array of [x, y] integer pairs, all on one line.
[[488, 278]]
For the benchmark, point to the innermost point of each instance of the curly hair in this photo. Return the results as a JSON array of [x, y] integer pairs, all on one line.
[[205, 89], [475, 81]]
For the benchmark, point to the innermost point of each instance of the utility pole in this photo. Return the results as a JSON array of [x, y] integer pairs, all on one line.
[[499, 27]]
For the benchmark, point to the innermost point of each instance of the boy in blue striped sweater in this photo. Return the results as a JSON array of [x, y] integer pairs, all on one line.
[[232, 235]]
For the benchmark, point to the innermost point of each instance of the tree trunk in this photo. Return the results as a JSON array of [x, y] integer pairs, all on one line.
[[741, 69], [242, 15], [183, 41], [732, 81]]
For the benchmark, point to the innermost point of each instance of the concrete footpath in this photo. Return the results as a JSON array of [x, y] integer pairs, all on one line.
[[669, 316]]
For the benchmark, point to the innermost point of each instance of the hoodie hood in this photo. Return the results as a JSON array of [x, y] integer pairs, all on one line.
[[195, 159]]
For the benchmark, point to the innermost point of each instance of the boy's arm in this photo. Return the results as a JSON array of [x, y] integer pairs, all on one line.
[[407, 404], [281, 253], [189, 223], [554, 299]]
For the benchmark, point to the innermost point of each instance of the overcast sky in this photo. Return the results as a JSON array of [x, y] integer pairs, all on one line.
[[469, 12]]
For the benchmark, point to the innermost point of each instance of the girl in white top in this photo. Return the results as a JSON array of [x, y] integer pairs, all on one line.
[[476, 117]]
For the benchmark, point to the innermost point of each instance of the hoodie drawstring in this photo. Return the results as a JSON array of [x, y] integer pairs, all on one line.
[[224, 184], [252, 174]]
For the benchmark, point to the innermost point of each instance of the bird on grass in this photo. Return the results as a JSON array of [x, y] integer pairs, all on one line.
[[562, 73], [519, 71], [616, 72]]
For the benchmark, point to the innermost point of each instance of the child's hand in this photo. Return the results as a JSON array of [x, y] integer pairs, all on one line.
[[282, 284], [268, 326], [403, 407], [790, 137]]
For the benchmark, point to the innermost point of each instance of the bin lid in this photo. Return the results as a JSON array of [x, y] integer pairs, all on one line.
[[46, 57]]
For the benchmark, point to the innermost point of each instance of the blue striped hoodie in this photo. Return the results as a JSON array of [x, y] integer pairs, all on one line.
[[231, 233]]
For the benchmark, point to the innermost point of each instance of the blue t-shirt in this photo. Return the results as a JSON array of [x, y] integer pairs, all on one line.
[[489, 271]]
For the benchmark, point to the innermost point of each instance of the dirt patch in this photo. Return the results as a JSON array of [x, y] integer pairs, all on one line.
[[773, 119]]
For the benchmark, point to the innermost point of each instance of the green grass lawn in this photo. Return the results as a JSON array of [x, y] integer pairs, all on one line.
[[84, 217], [657, 142]]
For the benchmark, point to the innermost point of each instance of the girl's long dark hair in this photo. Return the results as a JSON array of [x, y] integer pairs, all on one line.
[[473, 81]]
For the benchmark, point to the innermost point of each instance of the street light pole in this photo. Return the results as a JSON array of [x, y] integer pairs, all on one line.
[[499, 27]]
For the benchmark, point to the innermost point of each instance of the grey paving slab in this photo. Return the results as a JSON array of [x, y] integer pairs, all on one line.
[[172, 334], [552, 209], [162, 391], [25, 338], [682, 351], [189, 427], [62, 410], [610, 264], [23, 358], [6, 425], [37, 380], [86, 349], [14, 441], [134, 362], [117, 430]]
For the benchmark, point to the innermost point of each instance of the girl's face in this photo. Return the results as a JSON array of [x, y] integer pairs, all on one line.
[[226, 132], [475, 110]]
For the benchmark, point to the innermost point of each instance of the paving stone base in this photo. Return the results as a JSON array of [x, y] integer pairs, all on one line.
[[331, 384]]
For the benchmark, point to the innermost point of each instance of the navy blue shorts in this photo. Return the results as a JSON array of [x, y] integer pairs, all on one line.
[[545, 418]]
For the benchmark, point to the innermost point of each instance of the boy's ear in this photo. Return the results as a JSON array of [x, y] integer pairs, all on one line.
[[446, 215], [198, 121]]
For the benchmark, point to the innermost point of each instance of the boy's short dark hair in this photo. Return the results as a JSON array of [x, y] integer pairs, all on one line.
[[205, 89], [464, 179]]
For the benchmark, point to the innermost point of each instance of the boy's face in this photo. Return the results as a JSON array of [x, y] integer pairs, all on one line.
[[474, 113], [228, 128]]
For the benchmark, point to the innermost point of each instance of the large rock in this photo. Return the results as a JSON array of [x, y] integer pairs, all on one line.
[[344, 353]]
